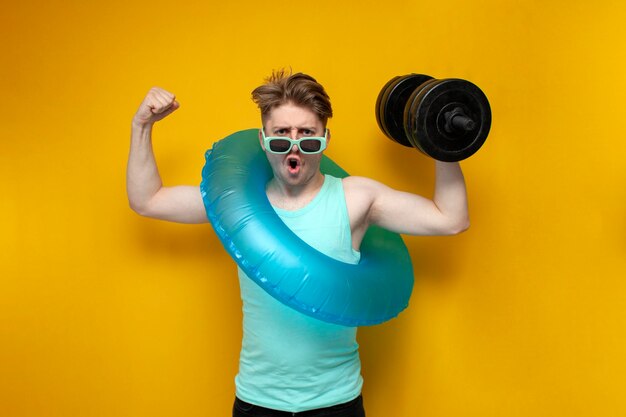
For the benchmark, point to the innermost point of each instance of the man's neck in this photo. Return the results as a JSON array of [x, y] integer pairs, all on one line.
[[293, 197]]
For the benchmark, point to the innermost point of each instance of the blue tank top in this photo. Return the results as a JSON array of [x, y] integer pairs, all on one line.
[[290, 361]]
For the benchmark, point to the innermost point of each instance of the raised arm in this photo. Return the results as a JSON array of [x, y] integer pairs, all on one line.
[[370, 202], [146, 193]]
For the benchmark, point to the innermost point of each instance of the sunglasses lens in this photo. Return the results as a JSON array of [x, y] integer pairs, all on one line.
[[310, 145], [279, 145]]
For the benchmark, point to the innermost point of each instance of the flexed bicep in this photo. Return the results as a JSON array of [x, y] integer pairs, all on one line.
[[373, 203], [146, 193]]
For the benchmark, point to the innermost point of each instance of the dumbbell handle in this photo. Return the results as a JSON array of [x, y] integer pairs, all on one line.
[[463, 122], [456, 119]]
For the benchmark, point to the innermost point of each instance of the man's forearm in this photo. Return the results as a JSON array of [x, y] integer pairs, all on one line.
[[450, 194], [142, 175]]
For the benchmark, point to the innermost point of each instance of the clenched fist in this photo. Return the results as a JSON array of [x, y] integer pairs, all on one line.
[[157, 104]]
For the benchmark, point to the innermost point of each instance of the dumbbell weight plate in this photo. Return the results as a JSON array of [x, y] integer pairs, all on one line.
[[384, 114], [391, 102], [426, 129], [382, 96], [410, 111]]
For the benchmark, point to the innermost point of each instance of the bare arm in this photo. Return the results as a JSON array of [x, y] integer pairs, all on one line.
[[146, 193], [370, 202]]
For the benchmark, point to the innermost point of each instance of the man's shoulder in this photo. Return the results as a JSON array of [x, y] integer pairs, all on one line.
[[361, 190]]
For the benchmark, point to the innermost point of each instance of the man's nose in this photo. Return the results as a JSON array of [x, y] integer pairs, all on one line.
[[293, 133]]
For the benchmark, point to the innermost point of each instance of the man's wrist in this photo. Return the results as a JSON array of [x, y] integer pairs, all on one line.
[[141, 126], [141, 132]]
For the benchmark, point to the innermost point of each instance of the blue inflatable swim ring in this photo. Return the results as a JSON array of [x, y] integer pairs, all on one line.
[[233, 184]]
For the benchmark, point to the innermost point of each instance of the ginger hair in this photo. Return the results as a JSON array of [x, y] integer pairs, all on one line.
[[299, 89]]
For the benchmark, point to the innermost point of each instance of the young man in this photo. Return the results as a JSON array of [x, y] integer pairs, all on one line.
[[290, 362]]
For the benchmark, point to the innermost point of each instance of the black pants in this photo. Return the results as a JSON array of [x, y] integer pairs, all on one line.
[[352, 408]]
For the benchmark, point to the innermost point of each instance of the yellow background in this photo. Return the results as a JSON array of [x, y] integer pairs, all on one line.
[[105, 313]]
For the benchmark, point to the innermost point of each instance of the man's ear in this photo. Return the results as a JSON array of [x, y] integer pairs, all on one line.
[[327, 136], [261, 139]]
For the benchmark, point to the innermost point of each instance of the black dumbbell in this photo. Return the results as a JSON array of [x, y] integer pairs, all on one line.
[[447, 119]]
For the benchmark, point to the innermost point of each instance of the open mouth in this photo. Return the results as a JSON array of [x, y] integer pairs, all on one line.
[[294, 165]]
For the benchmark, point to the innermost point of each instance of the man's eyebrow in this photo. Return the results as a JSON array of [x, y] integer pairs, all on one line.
[[275, 128]]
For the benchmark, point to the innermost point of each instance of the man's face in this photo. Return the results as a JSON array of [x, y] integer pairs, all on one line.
[[293, 168]]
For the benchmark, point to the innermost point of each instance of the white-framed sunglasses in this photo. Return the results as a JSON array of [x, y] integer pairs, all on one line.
[[306, 144]]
